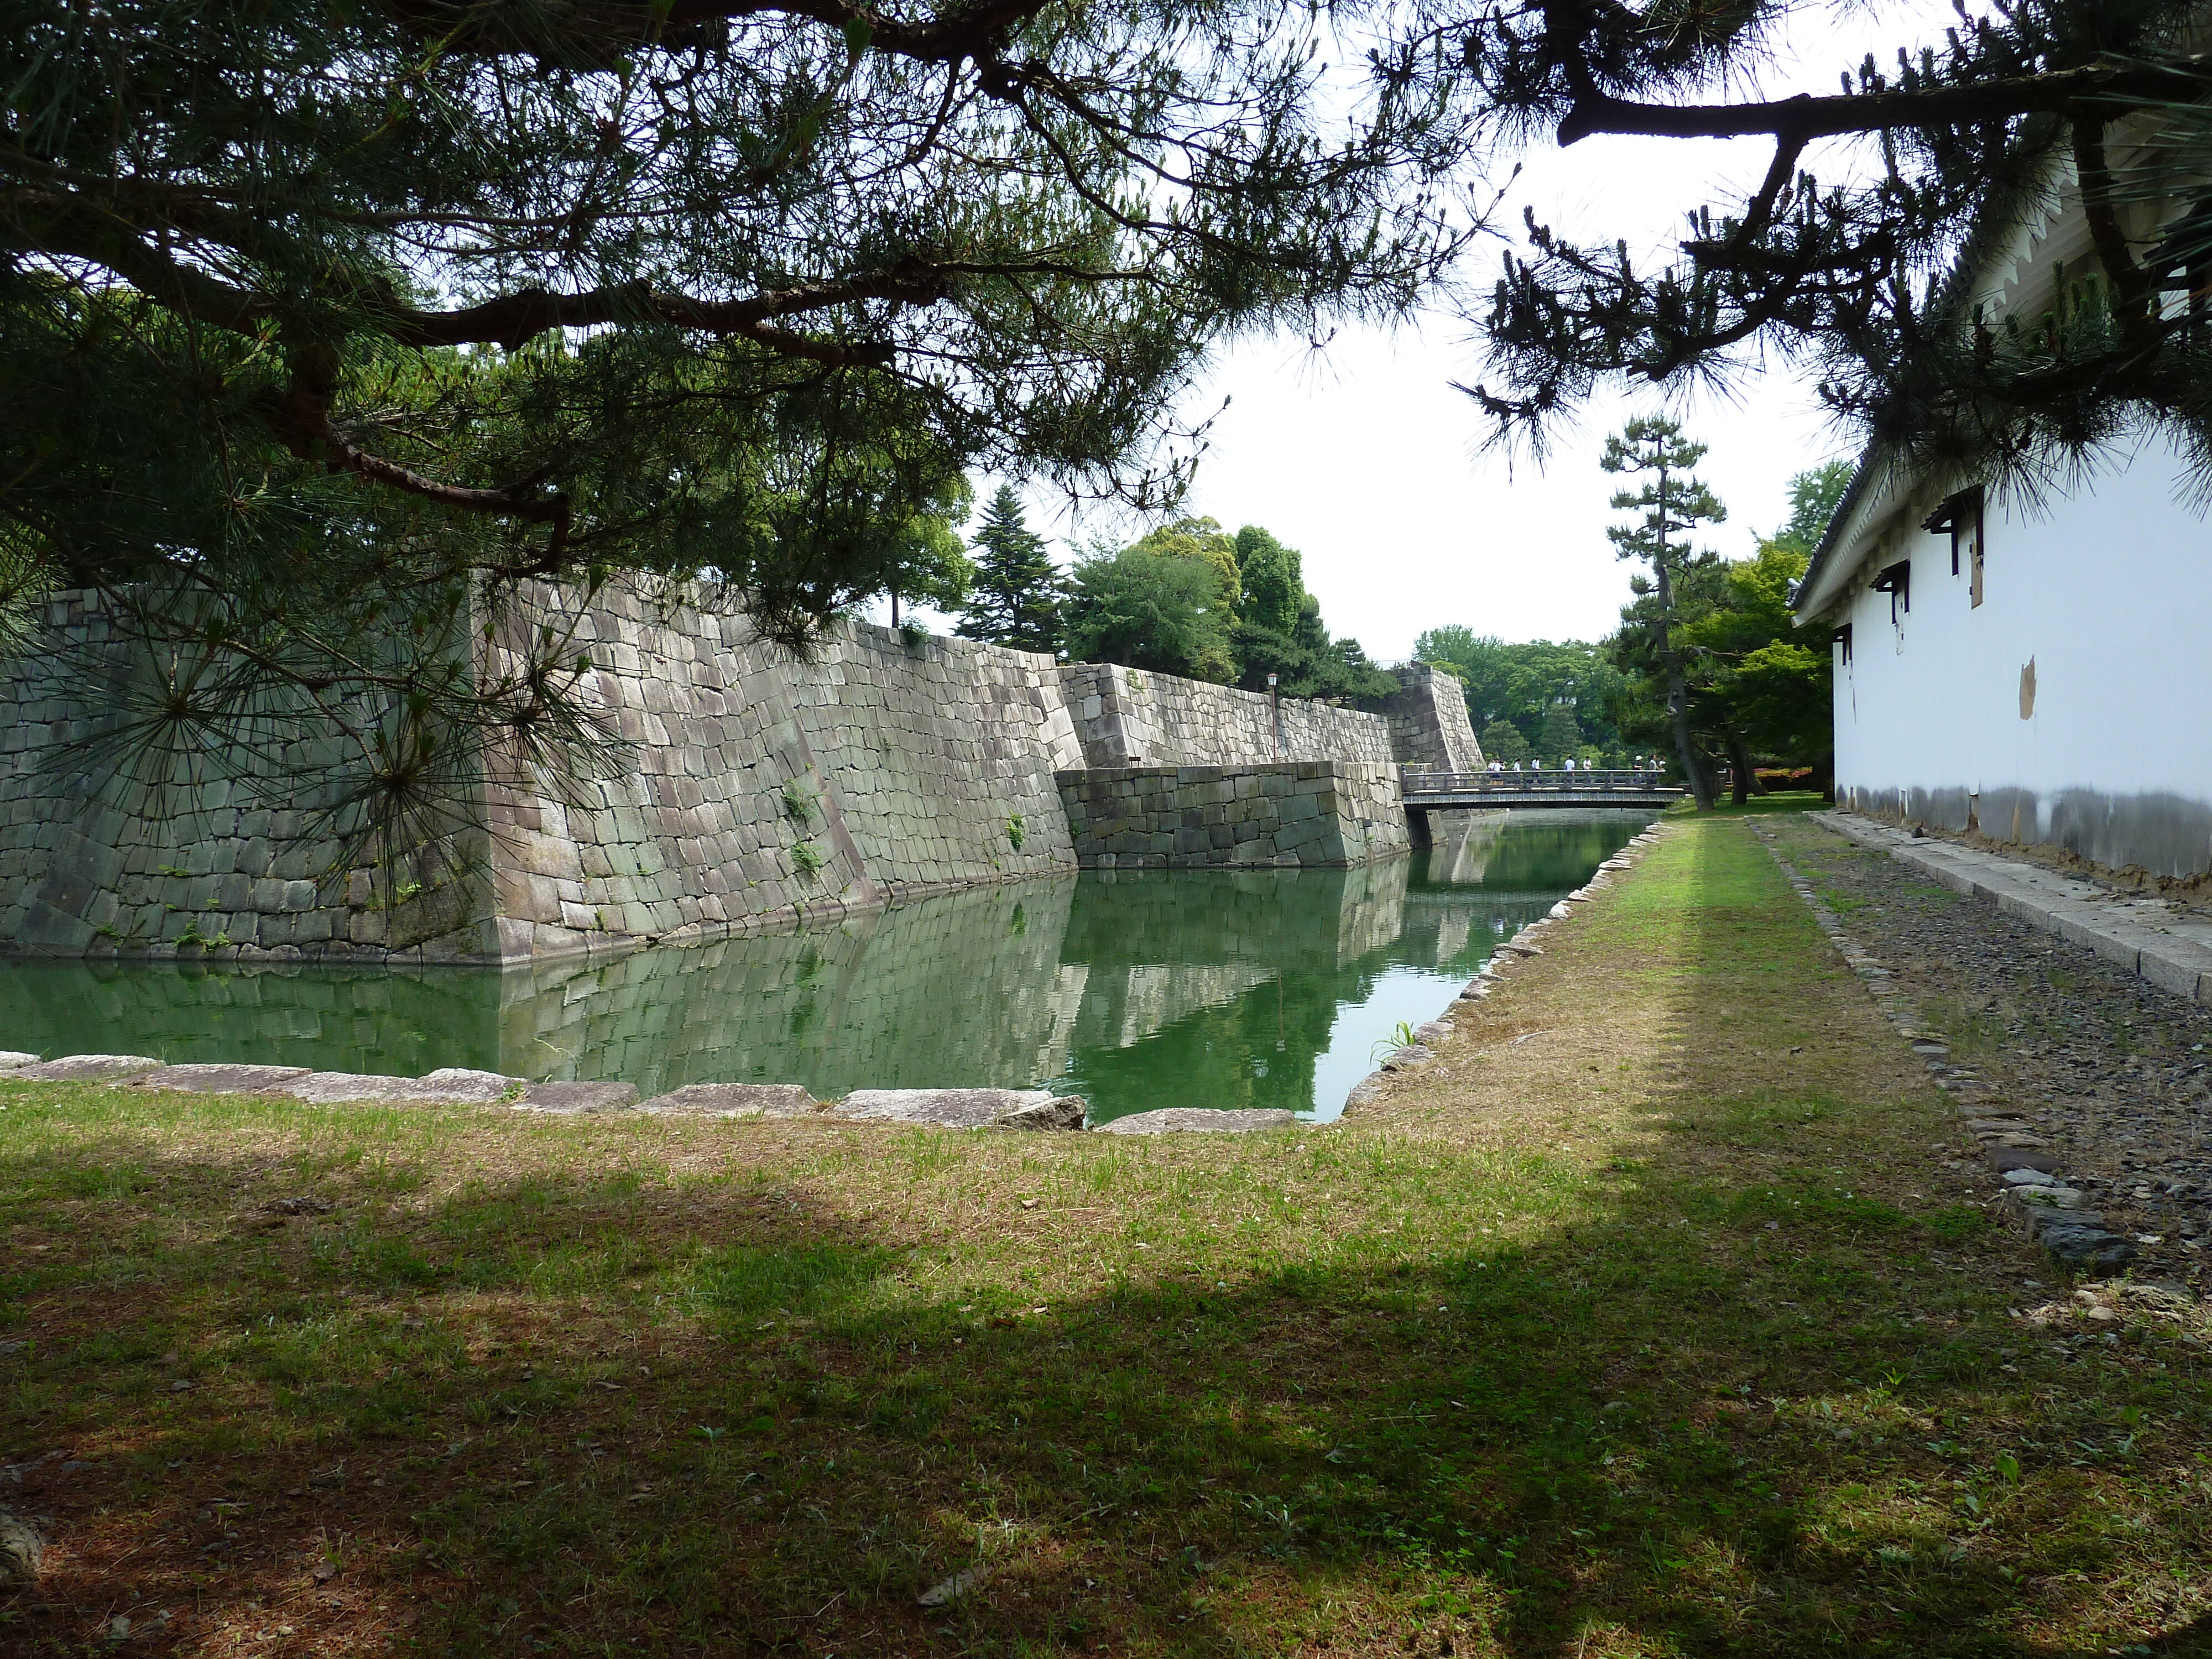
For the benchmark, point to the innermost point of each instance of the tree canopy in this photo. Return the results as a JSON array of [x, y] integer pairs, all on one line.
[[1253, 615], [312, 317], [1279, 630], [1517, 684], [1814, 495], [1160, 611], [1864, 262]]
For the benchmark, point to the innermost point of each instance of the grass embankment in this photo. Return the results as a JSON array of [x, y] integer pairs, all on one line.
[[1633, 1326]]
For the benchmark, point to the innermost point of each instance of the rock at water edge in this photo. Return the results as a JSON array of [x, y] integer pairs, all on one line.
[[944, 1109], [736, 1100], [578, 1097], [449, 1086], [1060, 1112], [218, 1080], [86, 1068], [1201, 1119]]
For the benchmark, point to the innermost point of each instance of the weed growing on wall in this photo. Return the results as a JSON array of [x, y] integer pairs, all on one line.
[[1017, 831]]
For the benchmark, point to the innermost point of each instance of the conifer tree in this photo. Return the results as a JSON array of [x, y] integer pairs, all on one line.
[[1014, 599], [1872, 262], [1559, 736], [324, 329], [1672, 504], [1502, 741]]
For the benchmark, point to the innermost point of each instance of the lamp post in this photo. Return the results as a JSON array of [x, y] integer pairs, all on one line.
[[1275, 712]]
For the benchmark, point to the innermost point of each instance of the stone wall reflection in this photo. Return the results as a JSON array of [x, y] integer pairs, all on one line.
[[958, 988], [404, 1021]]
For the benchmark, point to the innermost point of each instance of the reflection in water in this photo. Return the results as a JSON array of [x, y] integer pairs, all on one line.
[[1137, 990]]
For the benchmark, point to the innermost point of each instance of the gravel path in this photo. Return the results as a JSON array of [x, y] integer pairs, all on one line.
[[2115, 1074]]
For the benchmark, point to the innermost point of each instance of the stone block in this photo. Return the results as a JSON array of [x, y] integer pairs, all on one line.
[[577, 1097], [2174, 965], [86, 1068], [736, 1100], [953, 1108], [1178, 1120], [204, 1078], [449, 1086]]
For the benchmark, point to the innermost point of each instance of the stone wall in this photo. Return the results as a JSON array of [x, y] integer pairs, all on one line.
[[763, 790], [1131, 717], [1428, 722], [756, 792], [1289, 813], [93, 861], [753, 792]]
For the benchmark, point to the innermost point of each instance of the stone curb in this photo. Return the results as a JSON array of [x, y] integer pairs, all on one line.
[[2051, 1212], [2140, 935], [1524, 944], [1031, 1109]]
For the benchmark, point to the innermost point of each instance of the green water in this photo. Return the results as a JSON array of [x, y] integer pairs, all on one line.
[[1166, 988]]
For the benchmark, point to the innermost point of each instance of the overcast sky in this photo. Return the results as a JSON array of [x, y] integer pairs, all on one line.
[[1364, 458]]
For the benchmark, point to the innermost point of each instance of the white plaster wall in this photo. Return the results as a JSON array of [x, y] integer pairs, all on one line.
[[2109, 590]]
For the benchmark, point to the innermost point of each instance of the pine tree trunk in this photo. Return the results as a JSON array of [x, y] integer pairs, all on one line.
[[1678, 694], [1741, 778], [1746, 774]]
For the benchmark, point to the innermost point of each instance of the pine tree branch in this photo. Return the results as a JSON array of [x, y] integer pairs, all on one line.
[[2106, 88], [302, 420], [594, 33], [76, 225], [2131, 294]]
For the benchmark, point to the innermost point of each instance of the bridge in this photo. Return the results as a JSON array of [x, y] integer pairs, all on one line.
[[1425, 790]]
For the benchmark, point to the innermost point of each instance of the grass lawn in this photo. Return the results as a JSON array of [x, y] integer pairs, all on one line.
[[1643, 1322]]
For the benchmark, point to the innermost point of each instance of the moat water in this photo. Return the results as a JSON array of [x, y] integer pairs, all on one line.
[[1135, 990]]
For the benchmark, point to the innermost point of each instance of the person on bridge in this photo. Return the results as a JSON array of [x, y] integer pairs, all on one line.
[[1570, 763], [1496, 767]]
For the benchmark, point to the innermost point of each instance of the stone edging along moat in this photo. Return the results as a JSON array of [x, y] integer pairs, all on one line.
[[943, 1109], [950, 1109]]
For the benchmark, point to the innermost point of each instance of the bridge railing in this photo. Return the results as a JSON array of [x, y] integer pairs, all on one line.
[[1414, 780]]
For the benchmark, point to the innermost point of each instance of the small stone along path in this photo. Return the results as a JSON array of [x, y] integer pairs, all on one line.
[[2080, 1083]]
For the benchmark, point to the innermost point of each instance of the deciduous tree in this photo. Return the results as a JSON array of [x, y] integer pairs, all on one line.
[[1518, 681], [1279, 630], [1153, 610], [1814, 495]]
